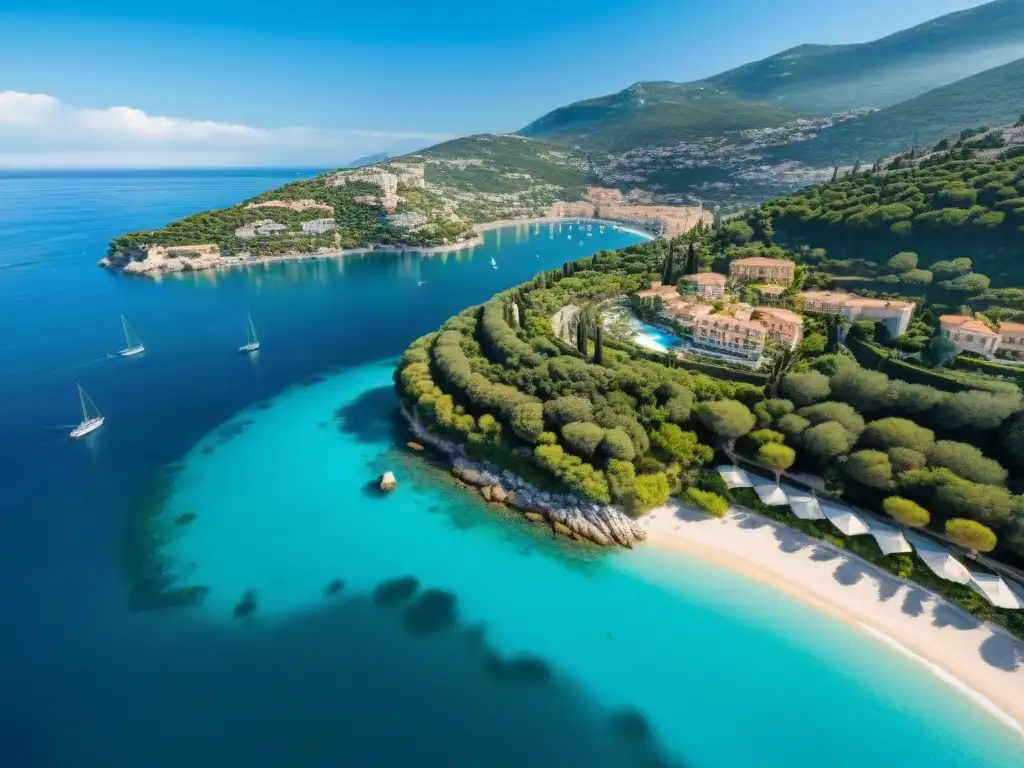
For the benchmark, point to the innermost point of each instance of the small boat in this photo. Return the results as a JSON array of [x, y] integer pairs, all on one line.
[[251, 342], [132, 346], [494, 263], [92, 419]]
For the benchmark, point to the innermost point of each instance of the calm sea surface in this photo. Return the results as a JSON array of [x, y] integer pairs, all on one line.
[[419, 629]]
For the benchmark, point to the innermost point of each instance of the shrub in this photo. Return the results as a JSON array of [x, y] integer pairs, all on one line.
[[863, 389], [988, 503], [906, 512], [761, 436], [840, 413], [805, 388], [917, 277], [650, 491], [793, 426], [903, 459], [902, 261], [679, 447], [620, 480], [728, 419], [827, 440], [583, 438], [971, 535], [710, 503], [528, 422], [902, 433], [617, 445], [777, 407], [870, 468], [967, 462], [982, 410], [565, 410]]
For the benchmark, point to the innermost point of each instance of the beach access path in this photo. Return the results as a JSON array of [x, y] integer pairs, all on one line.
[[984, 662]]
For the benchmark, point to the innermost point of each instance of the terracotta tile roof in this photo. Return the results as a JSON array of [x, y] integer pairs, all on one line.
[[706, 278], [780, 313], [967, 323], [1014, 328], [852, 300]]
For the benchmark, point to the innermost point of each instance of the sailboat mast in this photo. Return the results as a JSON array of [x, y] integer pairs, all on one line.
[[81, 397], [124, 327]]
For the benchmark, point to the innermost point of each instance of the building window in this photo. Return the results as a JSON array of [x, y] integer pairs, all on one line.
[[970, 337]]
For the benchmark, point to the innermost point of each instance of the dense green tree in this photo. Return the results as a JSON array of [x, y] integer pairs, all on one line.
[[581, 334], [906, 512], [621, 476], [903, 261], [778, 458], [946, 270], [737, 232], [842, 413], [728, 419], [971, 284], [861, 388], [917, 277], [710, 502], [971, 535], [941, 351], [668, 271], [616, 444], [677, 446], [565, 410], [813, 344], [793, 426], [896, 432], [826, 440], [528, 421], [760, 437], [870, 468], [598, 345], [805, 388], [650, 491], [974, 408], [864, 330], [966, 461], [583, 438], [903, 459], [781, 364], [987, 503]]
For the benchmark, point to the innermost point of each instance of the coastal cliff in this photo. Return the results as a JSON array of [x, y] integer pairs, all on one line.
[[568, 514]]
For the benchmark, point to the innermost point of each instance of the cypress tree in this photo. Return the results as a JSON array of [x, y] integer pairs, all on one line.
[[666, 276], [598, 345], [565, 269], [521, 304], [692, 262], [835, 173], [581, 335]]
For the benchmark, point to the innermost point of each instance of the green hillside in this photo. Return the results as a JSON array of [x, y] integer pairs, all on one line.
[[820, 79], [993, 97], [653, 114], [948, 206]]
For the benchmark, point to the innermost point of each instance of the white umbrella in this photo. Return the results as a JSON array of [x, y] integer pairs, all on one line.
[[940, 560], [889, 539], [805, 507], [772, 495], [996, 591], [845, 519], [734, 477]]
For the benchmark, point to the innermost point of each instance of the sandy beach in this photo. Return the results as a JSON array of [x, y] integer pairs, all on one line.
[[983, 662]]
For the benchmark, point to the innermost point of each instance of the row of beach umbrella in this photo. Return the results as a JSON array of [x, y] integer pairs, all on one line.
[[890, 540]]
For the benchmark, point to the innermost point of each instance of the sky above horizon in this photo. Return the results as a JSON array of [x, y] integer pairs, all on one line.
[[190, 83]]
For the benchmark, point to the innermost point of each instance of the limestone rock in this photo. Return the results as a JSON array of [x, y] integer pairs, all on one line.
[[415, 446], [499, 494], [535, 517], [485, 491], [388, 482]]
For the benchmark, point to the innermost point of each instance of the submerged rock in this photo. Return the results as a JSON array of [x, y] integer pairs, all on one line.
[[246, 606], [334, 587], [414, 446], [388, 482]]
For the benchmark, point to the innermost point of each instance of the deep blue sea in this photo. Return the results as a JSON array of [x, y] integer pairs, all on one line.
[[417, 629]]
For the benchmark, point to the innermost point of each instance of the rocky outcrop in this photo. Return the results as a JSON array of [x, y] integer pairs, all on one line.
[[388, 482], [567, 513]]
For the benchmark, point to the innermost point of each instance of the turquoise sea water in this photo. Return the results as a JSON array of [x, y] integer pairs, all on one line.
[[512, 649]]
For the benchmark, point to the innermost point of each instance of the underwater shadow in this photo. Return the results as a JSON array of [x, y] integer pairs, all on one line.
[[370, 417]]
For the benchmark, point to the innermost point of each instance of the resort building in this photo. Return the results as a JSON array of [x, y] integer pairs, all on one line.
[[735, 337], [769, 294], [783, 325], [709, 285], [895, 314], [318, 226], [260, 228], [760, 269], [970, 335], [1011, 339]]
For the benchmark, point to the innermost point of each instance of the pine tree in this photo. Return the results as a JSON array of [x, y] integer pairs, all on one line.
[[598, 345], [666, 275]]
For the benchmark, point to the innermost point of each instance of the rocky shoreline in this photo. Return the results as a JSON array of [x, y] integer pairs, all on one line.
[[567, 514]]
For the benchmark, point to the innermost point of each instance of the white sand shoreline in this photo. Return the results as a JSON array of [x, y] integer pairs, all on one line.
[[982, 662]]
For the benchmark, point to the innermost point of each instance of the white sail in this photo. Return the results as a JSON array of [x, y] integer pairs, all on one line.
[[92, 419], [252, 342], [132, 344]]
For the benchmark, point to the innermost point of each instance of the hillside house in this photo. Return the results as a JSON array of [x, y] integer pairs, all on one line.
[[895, 314], [760, 269], [708, 285]]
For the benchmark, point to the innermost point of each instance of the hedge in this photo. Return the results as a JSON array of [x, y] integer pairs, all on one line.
[[989, 368]]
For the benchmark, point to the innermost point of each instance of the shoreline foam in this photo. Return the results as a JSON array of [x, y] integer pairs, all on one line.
[[953, 653]]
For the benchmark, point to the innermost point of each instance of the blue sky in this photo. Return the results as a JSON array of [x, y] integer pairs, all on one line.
[[321, 82]]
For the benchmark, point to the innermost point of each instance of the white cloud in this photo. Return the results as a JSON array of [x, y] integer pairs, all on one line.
[[38, 130]]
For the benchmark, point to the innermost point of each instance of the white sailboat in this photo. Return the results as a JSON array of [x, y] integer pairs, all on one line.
[[92, 419], [252, 343], [494, 263], [131, 346]]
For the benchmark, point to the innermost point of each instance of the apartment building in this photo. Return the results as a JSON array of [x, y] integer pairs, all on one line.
[[760, 269], [318, 226], [1011, 339], [894, 313], [708, 285], [783, 325], [726, 335], [970, 335]]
